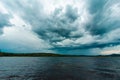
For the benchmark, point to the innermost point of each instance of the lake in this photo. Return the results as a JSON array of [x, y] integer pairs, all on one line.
[[59, 68]]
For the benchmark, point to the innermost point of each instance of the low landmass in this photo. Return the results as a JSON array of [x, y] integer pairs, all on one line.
[[2, 54]]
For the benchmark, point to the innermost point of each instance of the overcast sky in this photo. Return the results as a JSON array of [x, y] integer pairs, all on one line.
[[89, 27]]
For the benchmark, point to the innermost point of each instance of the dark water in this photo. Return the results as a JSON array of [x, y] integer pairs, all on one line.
[[59, 68]]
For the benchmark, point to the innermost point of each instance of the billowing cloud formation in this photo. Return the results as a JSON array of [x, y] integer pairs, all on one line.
[[71, 26]]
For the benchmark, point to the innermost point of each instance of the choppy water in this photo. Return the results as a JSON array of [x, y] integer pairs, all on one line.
[[59, 68]]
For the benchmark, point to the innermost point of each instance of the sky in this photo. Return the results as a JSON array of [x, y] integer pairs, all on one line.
[[80, 27]]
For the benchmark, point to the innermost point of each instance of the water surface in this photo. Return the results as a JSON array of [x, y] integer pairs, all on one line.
[[59, 68]]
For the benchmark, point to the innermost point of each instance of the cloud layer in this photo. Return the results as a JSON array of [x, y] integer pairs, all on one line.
[[71, 26]]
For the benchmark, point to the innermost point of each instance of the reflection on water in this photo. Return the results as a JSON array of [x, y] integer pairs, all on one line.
[[59, 68]]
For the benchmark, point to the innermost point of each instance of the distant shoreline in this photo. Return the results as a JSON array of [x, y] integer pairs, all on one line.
[[3, 54]]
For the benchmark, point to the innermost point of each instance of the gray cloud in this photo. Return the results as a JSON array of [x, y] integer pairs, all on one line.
[[102, 23], [4, 21], [56, 28]]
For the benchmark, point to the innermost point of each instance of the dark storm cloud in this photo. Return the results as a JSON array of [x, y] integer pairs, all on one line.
[[85, 49], [71, 13], [4, 21], [89, 46], [58, 27], [101, 24], [96, 8]]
